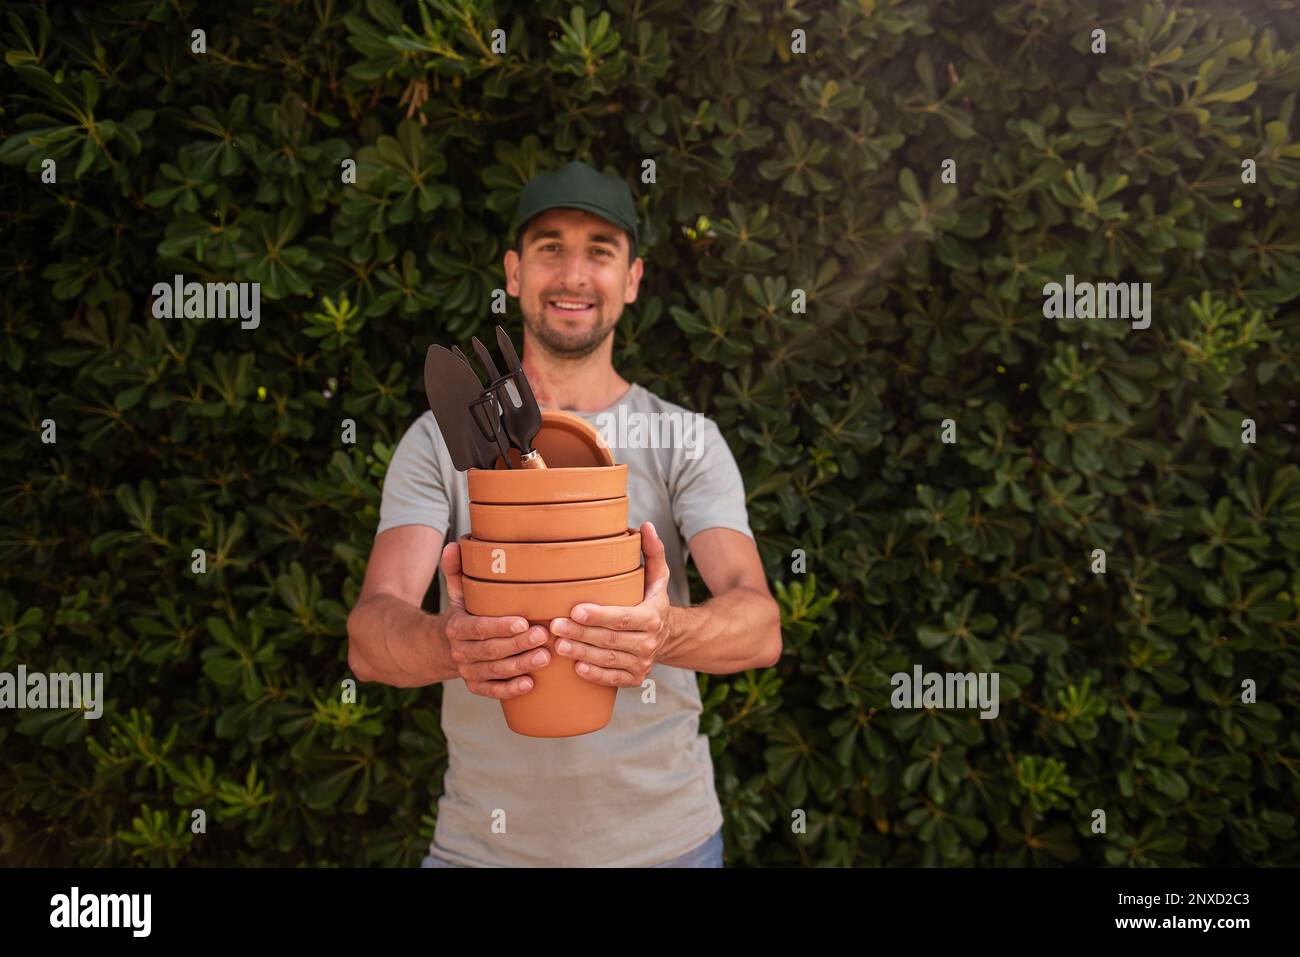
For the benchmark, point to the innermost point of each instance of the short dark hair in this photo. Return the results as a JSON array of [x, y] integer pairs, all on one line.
[[523, 231]]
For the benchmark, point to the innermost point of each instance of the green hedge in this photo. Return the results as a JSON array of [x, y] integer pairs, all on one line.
[[775, 171]]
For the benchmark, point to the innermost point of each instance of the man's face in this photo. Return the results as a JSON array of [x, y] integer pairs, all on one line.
[[572, 258]]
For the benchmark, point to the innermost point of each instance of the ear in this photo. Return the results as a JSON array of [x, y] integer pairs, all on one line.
[[512, 264], [634, 280]]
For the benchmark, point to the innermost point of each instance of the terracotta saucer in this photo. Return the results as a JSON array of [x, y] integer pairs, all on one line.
[[567, 440]]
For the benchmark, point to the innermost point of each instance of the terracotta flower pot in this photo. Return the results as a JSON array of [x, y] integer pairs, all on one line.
[[562, 703], [558, 522], [550, 561], [546, 486], [566, 440]]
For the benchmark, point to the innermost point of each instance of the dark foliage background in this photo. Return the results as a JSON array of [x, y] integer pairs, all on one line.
[[775, 171]]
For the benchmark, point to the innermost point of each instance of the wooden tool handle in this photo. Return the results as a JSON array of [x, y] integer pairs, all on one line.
[[533, 461]]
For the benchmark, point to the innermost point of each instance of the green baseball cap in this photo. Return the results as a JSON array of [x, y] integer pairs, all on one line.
[[579, 186]]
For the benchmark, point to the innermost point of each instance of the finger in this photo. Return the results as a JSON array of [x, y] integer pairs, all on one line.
[[604, 657], [631, 642], [503, 668], [613, 677], [501, 689], [493, 649], [656, 561], [467, 627], [451, 572], [640, 617]]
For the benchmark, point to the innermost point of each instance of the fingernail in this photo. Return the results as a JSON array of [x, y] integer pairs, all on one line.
[[539, 658], [526, 685], [583, 669], [580, 614], [563, 647], [539, 635], [560, 626], [519, 626]]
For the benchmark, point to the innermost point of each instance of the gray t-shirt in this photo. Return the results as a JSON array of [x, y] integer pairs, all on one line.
[[639, 791]]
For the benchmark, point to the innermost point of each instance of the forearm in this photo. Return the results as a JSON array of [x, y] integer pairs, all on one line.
[[735, 631], [395, 643]]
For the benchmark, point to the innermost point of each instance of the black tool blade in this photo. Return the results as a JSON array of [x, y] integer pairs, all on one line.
[[525, 421], [485, 357], [493, 390], [508, 350], [451, 388]]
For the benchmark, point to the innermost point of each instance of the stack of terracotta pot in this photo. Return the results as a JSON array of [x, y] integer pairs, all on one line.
[[542, 541]]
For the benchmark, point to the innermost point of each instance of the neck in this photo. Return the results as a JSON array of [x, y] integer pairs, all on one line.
[[588, 384]]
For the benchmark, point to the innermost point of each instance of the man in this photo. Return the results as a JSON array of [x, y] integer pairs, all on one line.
[[639, 792]]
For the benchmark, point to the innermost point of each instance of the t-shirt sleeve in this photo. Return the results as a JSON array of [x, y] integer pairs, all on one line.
[[707, 490], [415, 491]]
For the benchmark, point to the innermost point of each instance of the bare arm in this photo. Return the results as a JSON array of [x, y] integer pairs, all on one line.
[[390, 639], [740, 626]]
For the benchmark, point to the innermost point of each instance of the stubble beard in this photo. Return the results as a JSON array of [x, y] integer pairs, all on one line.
[[566, 345]]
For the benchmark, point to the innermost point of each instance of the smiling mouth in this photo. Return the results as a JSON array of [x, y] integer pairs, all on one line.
[[573, 307]]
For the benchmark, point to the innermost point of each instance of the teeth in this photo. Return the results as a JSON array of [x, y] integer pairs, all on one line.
[[569, 304]]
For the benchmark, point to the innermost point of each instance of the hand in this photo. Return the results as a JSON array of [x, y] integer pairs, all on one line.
[[492, 654], [616, 646]]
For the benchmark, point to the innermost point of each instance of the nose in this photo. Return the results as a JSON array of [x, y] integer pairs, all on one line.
[[575, 271]]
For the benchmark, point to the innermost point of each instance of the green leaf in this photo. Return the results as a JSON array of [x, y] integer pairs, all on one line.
[[1234, 95]]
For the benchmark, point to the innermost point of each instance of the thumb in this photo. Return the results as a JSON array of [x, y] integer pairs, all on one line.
[[656, 562], [451, 571]]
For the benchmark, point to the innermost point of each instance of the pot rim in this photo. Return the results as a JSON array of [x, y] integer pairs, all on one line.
[[553, 586], [556, 506], [502, 475], [583, 483], [616, 538]]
